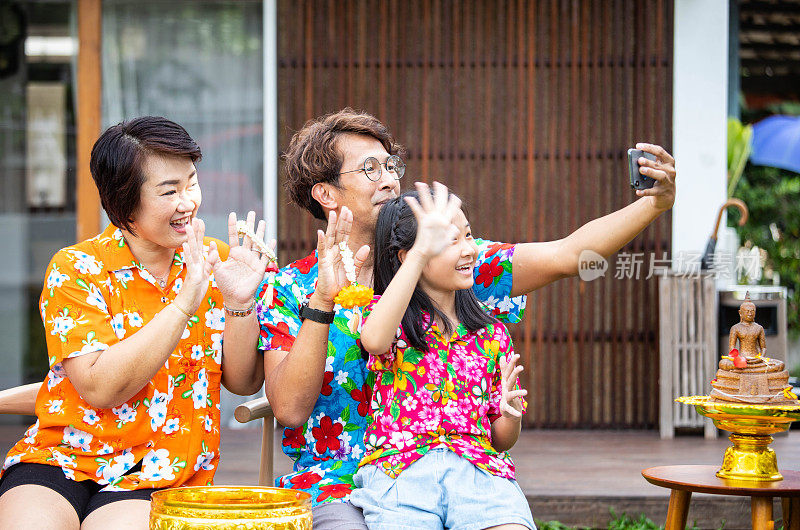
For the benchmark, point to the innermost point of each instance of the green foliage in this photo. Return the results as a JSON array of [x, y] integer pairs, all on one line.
[[626, 522], [617, 522], [773, 197], [740, 141], [551, 525]]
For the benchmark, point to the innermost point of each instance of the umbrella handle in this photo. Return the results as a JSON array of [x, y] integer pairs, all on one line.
[[738, 203]]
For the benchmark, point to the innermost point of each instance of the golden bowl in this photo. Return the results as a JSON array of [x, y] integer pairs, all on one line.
[[230, 507], [750, 457], [744, 418]]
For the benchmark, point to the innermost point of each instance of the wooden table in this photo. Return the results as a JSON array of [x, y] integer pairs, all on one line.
[[683, 480]]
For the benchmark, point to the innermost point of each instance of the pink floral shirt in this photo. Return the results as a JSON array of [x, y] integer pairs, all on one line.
[[446, 397]]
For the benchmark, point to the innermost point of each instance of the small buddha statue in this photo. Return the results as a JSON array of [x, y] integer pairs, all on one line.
[[749, 334], [747, 375]]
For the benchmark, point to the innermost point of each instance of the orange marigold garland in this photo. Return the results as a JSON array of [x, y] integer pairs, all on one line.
[[354, 294]]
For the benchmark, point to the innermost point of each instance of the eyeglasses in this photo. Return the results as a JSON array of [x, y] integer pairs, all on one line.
[[373, 170]]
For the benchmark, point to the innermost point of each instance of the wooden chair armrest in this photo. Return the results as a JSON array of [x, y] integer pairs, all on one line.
[[253, 410], [20, 399]]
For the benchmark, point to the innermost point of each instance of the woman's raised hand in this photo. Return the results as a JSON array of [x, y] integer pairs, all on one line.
[[239, 276], [435, 214], [510, 402], [331, 274], [198, 268]]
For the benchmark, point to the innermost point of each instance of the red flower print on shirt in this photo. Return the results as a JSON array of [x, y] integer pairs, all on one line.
[[294, 438], [337, 491], [326, 384], [282, 338], [305, 480], [362, 396], [497, 247], [304, 265], [487, 272], [327, 434]]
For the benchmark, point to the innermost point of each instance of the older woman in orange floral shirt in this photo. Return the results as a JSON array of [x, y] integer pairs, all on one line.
[[134, 320]]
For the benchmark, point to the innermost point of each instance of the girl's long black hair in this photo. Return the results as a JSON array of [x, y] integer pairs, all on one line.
[[395, 230]]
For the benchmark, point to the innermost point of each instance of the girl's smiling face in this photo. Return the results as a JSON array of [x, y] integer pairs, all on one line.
[[452, 270]]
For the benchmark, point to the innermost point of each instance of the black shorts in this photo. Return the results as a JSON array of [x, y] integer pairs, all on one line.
[[85, 496]]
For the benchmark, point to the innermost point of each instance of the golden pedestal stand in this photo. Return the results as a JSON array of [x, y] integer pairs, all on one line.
[[749, 458]]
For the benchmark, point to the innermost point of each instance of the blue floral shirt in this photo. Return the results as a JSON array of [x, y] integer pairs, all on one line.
[[327, 449]]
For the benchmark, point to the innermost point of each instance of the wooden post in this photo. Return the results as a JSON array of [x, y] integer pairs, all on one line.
[[678, 509], [88, 114], [666, 357], [761, 513], [267, 438], [791, 513], [710, 356]]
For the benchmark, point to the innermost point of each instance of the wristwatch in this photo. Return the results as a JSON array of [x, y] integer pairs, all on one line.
[[316, 315]]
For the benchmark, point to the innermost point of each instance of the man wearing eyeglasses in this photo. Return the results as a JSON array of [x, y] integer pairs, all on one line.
[[341, 168]]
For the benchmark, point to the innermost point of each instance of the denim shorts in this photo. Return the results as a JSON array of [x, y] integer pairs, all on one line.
[[440, 490]]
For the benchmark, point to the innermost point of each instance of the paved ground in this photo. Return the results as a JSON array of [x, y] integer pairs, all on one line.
[[571, 476]]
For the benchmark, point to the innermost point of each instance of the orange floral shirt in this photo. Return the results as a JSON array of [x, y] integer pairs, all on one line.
[[95, 295]]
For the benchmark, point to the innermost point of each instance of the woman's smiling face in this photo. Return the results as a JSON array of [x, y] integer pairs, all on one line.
[[170, 197]]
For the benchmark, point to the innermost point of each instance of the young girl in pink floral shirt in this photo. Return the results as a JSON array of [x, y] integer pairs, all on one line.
[[446, 403]]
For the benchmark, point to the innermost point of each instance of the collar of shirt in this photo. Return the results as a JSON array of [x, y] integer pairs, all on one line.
[[460, 335], [114, 252]]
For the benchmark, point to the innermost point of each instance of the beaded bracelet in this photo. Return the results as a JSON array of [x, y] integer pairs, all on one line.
[[239, 312]]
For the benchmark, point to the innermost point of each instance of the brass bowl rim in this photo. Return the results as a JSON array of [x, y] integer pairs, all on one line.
[[301, 498], [706, 401]]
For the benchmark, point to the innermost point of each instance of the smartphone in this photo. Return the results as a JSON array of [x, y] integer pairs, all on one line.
[[639, 181]]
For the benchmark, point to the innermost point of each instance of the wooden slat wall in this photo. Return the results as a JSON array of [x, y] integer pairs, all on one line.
[[526, 109], [88, 115]]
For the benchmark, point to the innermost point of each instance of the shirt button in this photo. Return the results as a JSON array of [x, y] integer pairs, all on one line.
[[164, 299]]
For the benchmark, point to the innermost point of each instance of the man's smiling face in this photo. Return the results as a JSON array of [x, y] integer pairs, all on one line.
[[362, 196]]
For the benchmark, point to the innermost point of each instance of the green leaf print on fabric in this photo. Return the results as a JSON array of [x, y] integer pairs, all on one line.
[[349, 385], [341, 325], [353, 353]]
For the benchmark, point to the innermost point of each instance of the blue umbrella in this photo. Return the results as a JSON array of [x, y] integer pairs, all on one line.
[[776, 142]]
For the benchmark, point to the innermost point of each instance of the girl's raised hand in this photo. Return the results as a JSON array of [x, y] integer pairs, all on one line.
[[435, 214], [510, 402]]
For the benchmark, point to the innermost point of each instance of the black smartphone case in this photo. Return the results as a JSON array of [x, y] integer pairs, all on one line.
[[639, 181]]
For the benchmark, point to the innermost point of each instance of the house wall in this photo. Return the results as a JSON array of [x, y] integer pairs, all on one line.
[[525, 109], [699, 121]]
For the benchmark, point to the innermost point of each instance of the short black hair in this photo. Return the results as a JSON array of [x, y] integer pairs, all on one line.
[[118, 157]]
